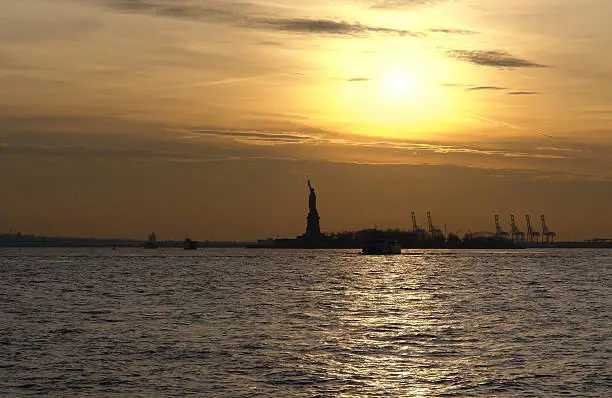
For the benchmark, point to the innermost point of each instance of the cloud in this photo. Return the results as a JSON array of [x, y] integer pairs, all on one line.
[[271, 43], [524, 93], [599, 111], [258, 137], [208, 144], [394, 4], [454, 85], [173, 9], [259, 15], [485, 88], [557, 149], [489, 88], [497, 59], [321, 139], [330, 27], [453, 149], [359, 79], [453, 31]]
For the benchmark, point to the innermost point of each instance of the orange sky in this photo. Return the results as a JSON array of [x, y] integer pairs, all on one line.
[[206, 117]]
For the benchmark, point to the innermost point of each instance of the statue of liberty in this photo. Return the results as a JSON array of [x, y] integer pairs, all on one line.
[[312, 221], [312, 199]]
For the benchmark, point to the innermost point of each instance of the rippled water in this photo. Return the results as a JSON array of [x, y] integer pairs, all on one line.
[[234, 322]]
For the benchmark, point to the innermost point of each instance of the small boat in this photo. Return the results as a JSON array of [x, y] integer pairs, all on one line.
[[190, 244], [151, 243], [381, 246]]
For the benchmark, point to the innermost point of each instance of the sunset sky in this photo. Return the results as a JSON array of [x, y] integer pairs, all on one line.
[[206, 117]]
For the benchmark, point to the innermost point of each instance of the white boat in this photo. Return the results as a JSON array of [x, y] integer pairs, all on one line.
[[151, 243], [381, 246]]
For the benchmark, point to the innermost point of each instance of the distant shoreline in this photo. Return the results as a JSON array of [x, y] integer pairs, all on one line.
[[46, 241], [33, 241]]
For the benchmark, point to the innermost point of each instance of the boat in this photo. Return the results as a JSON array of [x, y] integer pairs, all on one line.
[[381, 246], [151, 243], [190, 244]]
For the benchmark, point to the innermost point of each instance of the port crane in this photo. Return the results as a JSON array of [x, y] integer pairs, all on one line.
[[499, 232], [433, 231], [532, 236], [415, 227], [517, 234], [547, 234]]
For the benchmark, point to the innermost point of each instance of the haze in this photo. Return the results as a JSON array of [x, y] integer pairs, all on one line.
[[206, 117]]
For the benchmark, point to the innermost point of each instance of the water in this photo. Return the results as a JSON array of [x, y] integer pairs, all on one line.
[[265, 323]]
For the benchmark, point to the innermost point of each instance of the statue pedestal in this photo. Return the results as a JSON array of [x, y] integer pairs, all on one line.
[[312, 225]]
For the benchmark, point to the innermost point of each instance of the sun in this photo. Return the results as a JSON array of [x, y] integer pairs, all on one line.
[[391, 94], [400, 85]]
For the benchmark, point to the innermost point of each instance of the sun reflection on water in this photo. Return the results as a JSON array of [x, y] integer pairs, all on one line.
[[396, 329]]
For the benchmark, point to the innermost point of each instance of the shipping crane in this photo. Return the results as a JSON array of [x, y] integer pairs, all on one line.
[[547, 234], [532, 236], [499, 232], [433, 231], [416, 228], [517, 234]]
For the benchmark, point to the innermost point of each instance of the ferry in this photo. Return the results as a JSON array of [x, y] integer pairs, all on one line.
[[190, 244], [381, 246]]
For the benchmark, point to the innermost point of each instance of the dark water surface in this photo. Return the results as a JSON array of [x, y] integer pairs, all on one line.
[[234, 322]]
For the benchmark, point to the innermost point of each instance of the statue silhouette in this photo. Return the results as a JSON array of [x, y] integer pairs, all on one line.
[[313, 230], [312, 199]]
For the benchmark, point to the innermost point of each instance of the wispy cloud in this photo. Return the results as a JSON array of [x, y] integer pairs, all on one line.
[[485, 88], [468, 87], [174, 9], [359, 79], [453, 31], [394, 4], [454, 85], [271, 138], [498, 122], [270, 43], [259, 137], [558, 149], [524, 93], [454, 149], [330, 27], [497, 59], [263, 15]]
